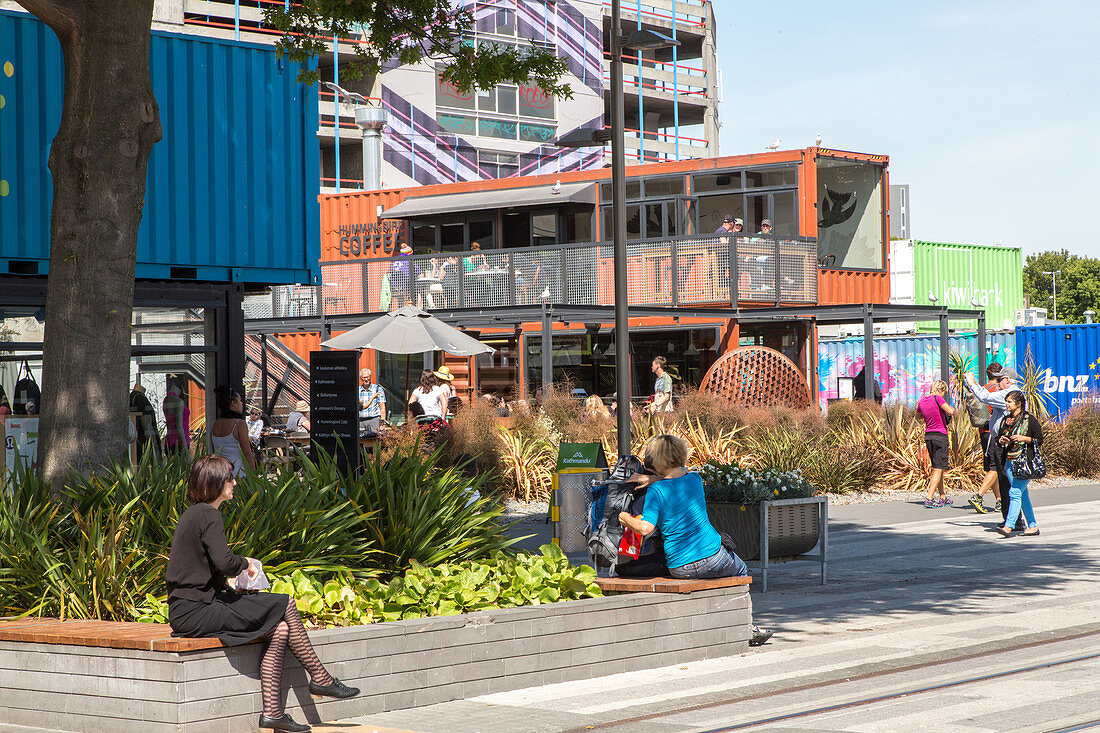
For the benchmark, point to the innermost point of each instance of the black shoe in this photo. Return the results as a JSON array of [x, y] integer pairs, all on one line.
[[284, 723], [759, 636], [336, 689]]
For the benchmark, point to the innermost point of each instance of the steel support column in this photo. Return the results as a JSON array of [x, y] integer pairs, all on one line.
[[945, 349], [618, 208], [547, 351], [983, 358], [868, 353]]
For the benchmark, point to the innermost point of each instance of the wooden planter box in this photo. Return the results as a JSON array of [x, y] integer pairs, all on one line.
[[774, 531]]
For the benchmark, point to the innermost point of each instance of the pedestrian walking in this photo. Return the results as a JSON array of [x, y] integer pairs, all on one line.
[[200, 604], [662, 387], [1019, 432], [979, 414], [1005, 382], [932, 408]]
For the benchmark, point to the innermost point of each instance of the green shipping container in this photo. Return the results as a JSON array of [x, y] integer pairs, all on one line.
[[960, 275]]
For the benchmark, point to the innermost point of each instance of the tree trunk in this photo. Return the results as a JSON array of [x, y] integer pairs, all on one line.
[[109, 124]]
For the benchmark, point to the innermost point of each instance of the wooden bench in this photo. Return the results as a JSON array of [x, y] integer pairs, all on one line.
[[106, 634], [667, 585]]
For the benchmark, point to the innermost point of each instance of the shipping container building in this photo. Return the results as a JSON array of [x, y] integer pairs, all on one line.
[[1067, 361], [956, 275], [904, 366], [230, 189], [230, 202], [548, 235]]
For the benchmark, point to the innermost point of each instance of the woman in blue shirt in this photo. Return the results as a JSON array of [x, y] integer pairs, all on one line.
[[675, 504]]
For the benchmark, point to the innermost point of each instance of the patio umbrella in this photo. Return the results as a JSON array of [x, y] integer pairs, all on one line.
[[409, 330]]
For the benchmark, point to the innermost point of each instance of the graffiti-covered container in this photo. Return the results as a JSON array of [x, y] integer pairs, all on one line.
[[905, 366], [1068, 361], [958, 276]]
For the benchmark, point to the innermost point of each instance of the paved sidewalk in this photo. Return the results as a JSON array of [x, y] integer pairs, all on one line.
[[909, 587]]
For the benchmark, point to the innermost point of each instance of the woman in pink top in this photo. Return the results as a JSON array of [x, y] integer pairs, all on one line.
[[932, 407]]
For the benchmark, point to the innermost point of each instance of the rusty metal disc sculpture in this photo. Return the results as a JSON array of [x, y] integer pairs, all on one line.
[[756, 376]]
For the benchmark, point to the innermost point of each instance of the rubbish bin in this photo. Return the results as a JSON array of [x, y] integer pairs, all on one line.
[[579, 465]]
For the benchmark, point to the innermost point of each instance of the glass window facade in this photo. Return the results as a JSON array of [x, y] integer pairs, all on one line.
[[587, 359], [850, 216]]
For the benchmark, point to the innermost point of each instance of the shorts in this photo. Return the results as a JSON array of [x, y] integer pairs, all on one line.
[[937, 449], [988, 464]]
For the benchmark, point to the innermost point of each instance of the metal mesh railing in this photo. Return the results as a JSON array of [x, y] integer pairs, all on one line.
[[670, 272]]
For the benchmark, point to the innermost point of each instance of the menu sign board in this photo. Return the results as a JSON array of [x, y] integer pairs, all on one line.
[[334, 405]]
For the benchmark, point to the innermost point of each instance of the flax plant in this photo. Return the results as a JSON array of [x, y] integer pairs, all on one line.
[[529, 459], [1038, 401]]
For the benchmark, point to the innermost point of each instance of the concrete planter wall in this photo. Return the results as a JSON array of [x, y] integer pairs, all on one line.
[[398, 665]]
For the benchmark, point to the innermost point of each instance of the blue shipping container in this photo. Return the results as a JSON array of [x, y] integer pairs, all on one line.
[[231, 193], [905, 366], [1068, 361]]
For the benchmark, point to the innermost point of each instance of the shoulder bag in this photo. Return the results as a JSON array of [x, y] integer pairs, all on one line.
[[1029, 464]]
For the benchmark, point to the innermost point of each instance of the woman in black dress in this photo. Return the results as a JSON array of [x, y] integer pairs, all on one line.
[[201, 605]]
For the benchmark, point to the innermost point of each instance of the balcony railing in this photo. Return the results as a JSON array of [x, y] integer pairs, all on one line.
[[684, 271]]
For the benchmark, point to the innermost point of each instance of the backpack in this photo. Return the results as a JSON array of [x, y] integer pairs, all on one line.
[[609, 498], [976, 410], [27, 396]]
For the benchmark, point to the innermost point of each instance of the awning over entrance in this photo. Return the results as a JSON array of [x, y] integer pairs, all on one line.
[[449, 203]]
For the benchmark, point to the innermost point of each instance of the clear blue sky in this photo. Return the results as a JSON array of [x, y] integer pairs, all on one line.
[[989, 110]]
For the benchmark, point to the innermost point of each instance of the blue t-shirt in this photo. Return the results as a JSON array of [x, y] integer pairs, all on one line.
[[678, 508]]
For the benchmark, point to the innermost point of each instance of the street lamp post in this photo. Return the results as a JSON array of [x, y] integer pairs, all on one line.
[[1054, 287], [639, 39]]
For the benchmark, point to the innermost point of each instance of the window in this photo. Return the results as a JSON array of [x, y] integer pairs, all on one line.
[[849, 211], [517, 230], [452, 237], [505, 112], [730, 181], [544, 229], [459, 124], [446, 95], [664, 187], [503, 129], [633, 191], [767, 177], [423, 238], [533, 102], [654, 221], [497, 165], [578, 226], [506, 100], [785, 214], [482, 233]]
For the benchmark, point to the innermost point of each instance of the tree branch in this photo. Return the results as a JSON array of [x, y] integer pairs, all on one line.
[[60, 15]]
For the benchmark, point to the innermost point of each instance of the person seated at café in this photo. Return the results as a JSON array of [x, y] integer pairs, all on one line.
[[676, 505], [475, 262], [255, 424], [595, 408], [430, 397], [299, 418], [229, 434]]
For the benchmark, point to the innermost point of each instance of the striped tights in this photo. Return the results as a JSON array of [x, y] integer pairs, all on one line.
[[288, 632]]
